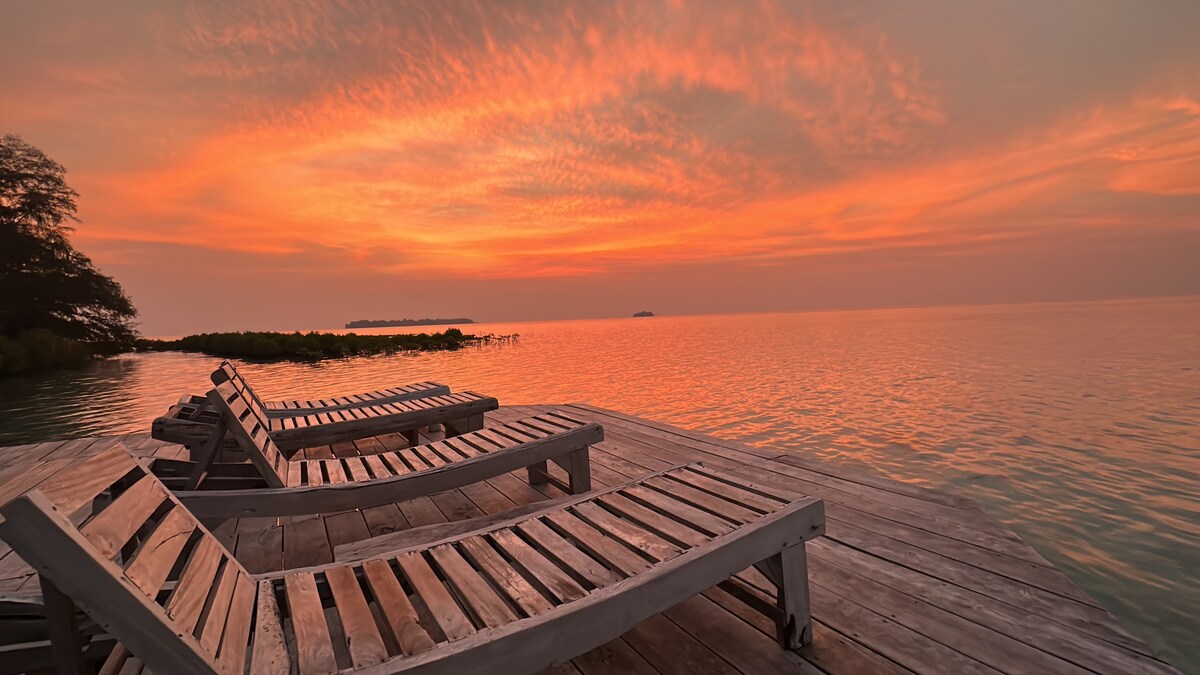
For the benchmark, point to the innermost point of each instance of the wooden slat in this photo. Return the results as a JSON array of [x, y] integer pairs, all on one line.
[[396, 608], [730, 492], [567, 554], [79, 484], [270, 654], [515, 587], [218, 606], [314, 647], [670, 529], [553, 580], [698, 518], [475, 591], [703, 500], [362, 636], [187, 601], [160, 551], [627, 532], [232, 653], [109, 530], [598, 545], [445, 611]]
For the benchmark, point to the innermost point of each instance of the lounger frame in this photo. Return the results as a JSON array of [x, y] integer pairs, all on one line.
[[219, 619]]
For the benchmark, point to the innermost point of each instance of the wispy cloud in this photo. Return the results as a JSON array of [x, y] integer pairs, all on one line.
[[535, 140]]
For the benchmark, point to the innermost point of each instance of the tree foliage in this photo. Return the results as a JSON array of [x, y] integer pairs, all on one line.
[[315, 346], [45, 284]]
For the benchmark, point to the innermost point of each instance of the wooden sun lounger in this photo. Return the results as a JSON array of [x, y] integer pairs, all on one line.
[[515, 597], [297, 486], [196, 425], [405, 392]]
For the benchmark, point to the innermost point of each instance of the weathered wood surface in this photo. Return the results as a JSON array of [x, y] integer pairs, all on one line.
[[905, 580], [286, 408], [494, 601], [193, 422], [405, 392], [304, 486]]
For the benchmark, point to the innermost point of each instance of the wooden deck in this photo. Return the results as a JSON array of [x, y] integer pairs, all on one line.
[[906, 580]]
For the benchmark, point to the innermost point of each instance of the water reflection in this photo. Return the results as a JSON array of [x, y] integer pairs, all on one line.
[[1077, 424]]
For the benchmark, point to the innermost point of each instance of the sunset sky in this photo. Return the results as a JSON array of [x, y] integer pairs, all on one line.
[[280, 165]]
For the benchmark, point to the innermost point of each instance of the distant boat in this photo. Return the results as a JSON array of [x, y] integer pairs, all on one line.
[[643, 314]]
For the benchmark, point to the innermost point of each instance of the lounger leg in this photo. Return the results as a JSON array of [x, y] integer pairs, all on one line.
[[413, 436], [207, 455], [462, 426], [788, 570], [579, 468], [539, 473], [65, 641]]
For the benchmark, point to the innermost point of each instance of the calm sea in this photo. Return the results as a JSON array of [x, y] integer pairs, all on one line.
[[1078, 425]]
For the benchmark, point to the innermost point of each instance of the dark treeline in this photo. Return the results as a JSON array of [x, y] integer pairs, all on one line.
[[392, 323], [314, 346], [56, 308]]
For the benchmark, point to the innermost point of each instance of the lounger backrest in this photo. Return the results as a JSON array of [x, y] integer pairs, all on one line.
[[111, 536], [226, 372], [250, 426]]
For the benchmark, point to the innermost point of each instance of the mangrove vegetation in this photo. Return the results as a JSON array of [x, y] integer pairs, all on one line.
[[315, 346]]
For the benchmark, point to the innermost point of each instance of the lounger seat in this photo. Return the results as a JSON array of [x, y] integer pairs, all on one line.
[[300, 486], [513, 597], [193, 421], [391, 395]]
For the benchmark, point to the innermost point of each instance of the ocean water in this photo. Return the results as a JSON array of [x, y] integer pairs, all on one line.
[[1078, 425]]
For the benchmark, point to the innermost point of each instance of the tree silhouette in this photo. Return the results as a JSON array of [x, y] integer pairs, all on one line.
[[44, 282]]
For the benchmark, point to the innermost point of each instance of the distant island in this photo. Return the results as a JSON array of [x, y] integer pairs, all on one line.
[[391, 323], [643, 314]]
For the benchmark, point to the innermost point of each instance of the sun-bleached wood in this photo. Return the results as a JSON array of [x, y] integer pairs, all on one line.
[[519, 611], [297, 424], [946, 575], [343, 493]]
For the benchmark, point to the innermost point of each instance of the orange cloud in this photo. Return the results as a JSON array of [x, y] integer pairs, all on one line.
[[485, 141]]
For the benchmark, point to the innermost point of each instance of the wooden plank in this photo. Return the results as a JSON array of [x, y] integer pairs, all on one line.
[[305, 543], [195, 584], [82, 481], [541, 571], [270, 654], [476, 593], [730, 492], [672, 651], [627, 532], [510, 582], [217, 612], [445, 611], [703, 500], [158, 554], [231, 655], [597, 545], [702, 520], [314, 647], [396, 608], [362, 636], [567, 554], [114, 526]]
